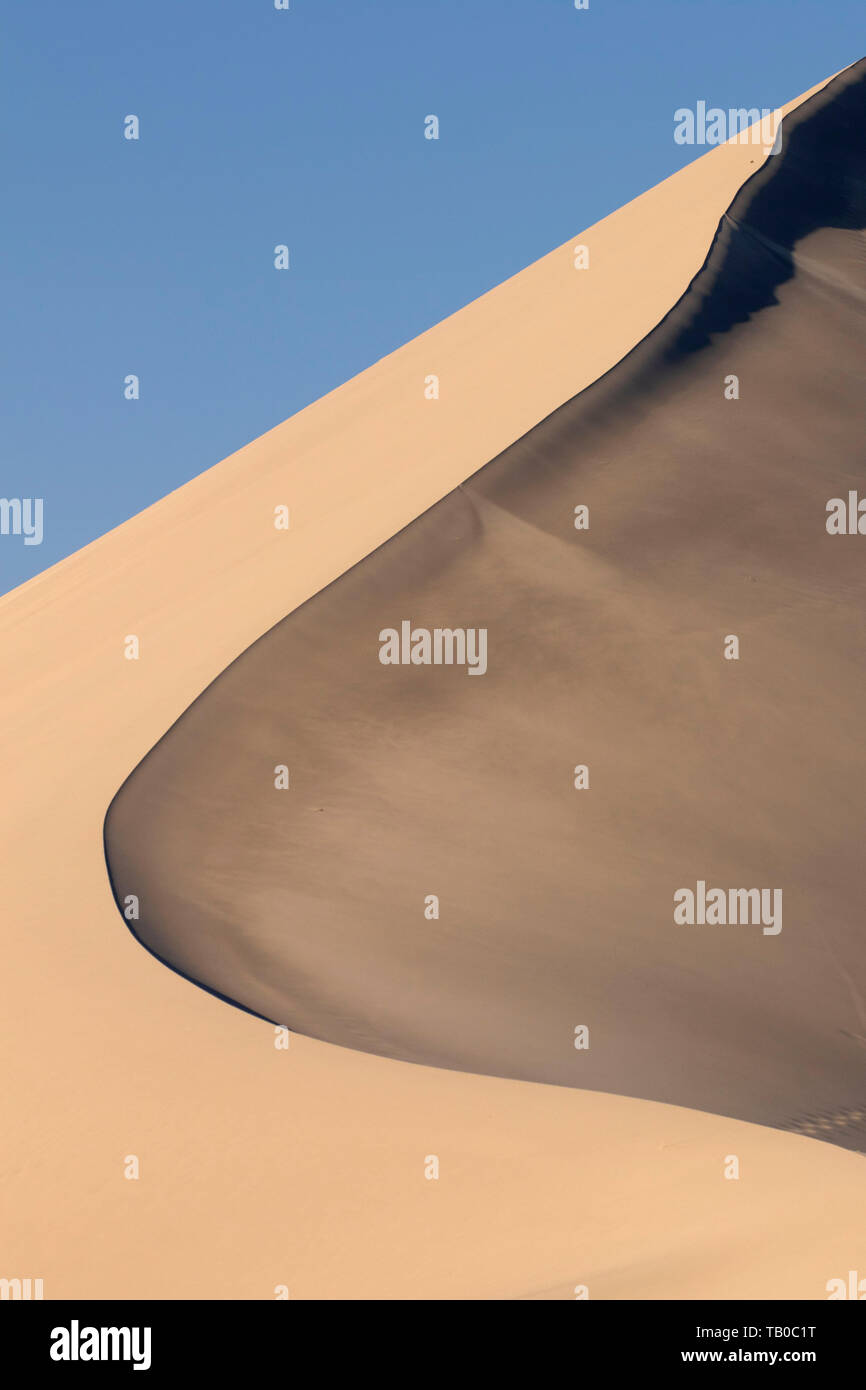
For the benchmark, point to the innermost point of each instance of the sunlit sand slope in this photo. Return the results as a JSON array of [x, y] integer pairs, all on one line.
[[305, 1168]]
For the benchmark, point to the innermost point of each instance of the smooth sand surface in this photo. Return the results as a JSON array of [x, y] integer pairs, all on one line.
[[306, 1167]]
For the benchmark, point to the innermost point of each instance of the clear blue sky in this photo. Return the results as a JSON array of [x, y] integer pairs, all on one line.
[[306, 127]]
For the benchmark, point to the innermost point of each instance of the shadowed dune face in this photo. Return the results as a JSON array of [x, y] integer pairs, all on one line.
[[604, 648]]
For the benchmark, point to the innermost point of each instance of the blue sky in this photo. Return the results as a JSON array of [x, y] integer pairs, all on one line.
[[306, 127]]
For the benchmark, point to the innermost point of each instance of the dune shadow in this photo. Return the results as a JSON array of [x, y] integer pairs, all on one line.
[[477, 870]]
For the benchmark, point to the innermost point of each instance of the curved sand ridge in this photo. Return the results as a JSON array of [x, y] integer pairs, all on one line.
[[261, 1167], [554, 907]]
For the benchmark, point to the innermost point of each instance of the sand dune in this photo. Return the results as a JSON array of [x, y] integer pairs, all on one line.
[[604, 648], [306, 1168]]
